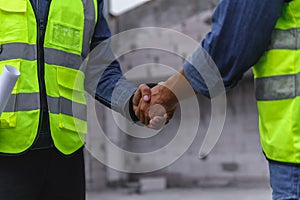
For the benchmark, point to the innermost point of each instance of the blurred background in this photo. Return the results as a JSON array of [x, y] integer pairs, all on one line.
[[236, 161]]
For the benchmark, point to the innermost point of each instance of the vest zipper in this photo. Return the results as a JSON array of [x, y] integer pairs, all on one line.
[[41, 65], [41, 29], [41, 71]]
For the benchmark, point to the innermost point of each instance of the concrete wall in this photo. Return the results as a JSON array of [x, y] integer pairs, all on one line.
[[162, 13], [237, 156]]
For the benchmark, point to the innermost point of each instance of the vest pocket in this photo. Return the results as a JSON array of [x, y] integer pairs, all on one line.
[[8, 119], [71, 84], [13, 21], [65, 37], [72, 109], [72, 124]]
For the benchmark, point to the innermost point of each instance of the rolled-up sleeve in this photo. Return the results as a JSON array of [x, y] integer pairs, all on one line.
[[241, 32]]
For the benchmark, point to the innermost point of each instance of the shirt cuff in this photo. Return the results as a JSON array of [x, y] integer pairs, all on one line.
[[195, 79], [203, 74], [121, 96]]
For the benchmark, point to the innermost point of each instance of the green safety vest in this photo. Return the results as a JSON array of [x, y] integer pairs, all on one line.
[[277, 83], [69, 30]]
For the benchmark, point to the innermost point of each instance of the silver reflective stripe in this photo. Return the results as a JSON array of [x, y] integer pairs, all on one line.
[[31, 101], [17, 51], [28, 52], [89, 25], [62, 58], [277, 87], [67, 107], [285, 39], [23, 102]]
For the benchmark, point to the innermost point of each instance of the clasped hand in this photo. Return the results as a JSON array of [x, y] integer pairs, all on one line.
[[154, 107]]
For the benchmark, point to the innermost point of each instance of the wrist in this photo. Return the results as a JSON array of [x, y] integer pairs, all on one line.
[[168, 97], [179, 85], [133, 117]]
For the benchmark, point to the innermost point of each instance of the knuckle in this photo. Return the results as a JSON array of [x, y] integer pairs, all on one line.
[[142, 86]]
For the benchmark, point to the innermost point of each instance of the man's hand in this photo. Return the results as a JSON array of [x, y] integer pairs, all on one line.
[[158, 104], [154, 107], [140, 100], [163, 103]]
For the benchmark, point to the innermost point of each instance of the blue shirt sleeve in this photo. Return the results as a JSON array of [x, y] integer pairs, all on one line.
[[241, 32], [113, 90]]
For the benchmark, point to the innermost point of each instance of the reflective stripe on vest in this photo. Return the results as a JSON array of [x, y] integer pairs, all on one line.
[[277, 87], [26, 102], [28, 52], [23, 102], [18, 51], [285, 39], [70, 108]]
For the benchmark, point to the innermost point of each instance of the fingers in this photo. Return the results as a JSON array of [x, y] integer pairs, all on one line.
[[156, 110], [169, 115], [157, 122], [144, 92], [142, 111], [140, 102], [154, 107]]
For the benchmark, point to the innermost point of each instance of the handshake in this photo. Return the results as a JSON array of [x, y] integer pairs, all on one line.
[[155, 106]]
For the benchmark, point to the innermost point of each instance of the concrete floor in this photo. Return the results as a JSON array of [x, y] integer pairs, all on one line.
[[224, 193]]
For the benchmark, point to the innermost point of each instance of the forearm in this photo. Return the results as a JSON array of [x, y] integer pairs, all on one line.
[[107, 84], [114, 90], [177, 88]]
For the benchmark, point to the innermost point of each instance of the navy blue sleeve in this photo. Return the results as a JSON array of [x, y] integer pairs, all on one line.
[[241, 32], [102, 31], [113, 90]]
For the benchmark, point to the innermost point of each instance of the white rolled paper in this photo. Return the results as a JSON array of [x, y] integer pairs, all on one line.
[[8, 80]]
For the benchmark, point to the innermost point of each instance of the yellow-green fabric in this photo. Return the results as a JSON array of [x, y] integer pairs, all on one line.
[[278, 90], [70, 23]]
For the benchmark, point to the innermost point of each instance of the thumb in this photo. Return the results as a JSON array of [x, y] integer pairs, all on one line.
[[144, 92]]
